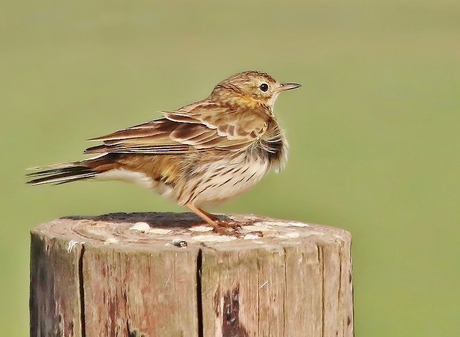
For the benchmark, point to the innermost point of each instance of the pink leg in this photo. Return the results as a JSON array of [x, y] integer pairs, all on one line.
[[217, 224]]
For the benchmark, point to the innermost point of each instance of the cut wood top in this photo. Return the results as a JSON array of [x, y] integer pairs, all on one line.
[[164, 274], [172, 231]]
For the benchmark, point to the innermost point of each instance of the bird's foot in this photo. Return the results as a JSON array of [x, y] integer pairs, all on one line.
[[226, 227], [230, 227]]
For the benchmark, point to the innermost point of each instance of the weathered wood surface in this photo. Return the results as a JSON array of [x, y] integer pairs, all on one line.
[[158, 274]]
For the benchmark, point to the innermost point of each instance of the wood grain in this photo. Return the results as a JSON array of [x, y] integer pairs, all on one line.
[[158, 274]]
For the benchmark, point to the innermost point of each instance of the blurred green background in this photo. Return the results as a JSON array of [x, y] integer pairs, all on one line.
[[374, 131]]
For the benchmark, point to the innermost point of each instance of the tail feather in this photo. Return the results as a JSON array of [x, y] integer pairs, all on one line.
[[61, 175]]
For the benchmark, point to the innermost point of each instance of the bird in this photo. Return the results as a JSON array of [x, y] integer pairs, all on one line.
[[204, 153]]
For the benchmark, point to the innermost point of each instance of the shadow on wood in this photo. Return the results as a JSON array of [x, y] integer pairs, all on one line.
[[160, 274]]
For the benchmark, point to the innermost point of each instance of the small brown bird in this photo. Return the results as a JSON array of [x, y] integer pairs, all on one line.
[[206, 152]]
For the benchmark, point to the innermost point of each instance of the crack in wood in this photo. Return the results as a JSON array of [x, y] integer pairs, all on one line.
[[81, 288], [199, 299]]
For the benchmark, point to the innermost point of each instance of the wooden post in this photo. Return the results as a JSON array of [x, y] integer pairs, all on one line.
[[156, 274]]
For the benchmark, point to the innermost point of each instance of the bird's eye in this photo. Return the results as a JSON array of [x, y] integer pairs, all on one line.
[[263, 87]]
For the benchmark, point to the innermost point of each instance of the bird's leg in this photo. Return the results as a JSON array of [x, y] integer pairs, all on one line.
[[208, 218], [217, 224], [230, 224]]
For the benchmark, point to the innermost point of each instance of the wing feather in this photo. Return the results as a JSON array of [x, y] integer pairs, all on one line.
[[198, 127]]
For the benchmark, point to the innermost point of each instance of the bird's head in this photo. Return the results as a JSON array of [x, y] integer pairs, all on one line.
[[250, 87]]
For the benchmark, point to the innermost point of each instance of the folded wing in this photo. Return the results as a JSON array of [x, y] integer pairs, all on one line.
[[200, 127]]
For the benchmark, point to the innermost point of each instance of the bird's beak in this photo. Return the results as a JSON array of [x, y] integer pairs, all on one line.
[[288, 86]]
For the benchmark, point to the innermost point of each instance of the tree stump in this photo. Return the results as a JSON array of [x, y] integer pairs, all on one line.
[[161, 274]]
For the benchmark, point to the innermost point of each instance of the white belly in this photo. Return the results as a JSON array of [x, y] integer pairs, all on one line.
[[138, 178], [221, 181]]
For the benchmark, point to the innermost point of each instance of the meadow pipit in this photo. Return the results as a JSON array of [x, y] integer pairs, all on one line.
[[206, 152]]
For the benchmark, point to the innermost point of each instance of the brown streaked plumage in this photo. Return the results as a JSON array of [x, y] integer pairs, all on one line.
[[205, 152]]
